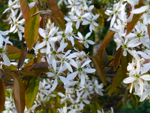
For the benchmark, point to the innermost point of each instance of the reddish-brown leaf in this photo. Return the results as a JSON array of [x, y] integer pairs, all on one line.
[[31, 28], [99, 69], [117, 58], [22, 58], [52, 5], [40, 65], [2, 94], [19, 95], [135, 19], [12, 49], [24, 8], [104, 44], [59, 21]]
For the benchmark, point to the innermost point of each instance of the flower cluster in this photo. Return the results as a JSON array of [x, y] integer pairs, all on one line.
[[136, 43], [68, 68]]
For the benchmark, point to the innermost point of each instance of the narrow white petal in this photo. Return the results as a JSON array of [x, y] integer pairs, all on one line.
[[129, 80], [145, 77], [6, 59]]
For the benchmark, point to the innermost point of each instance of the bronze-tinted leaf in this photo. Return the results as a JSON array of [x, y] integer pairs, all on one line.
[[104, 44], [59, 21], [2, 94], [31, 28], [24, 8], [22, 58], [116, 80], [12, 49], [117, 58], [40, 65], [19, 95], [31, 91], [99, 69], [52, 5], [135, 18]]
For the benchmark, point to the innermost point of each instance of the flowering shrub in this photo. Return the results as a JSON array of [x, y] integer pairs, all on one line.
[[60, 76]]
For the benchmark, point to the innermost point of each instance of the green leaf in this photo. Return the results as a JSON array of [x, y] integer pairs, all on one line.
[[100, 18], [99, 69], [104, 1], [104, 44], [15, 56], [116, 80], [24, 8], [31, 91], [134, 100], [124, 63], [19, 95], [31, 28], [2, 94], [117, 58], [95, 106], [52, 5]]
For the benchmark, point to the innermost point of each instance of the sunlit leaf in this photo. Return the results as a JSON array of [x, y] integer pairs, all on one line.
[[24, 8], [31, 91], [31, 28]]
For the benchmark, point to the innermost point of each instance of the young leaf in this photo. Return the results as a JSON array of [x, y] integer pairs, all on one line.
[[104, 44], [24, 8], [52, 5], [22, 58], [117, 58], [12, 49], [31, 91], [135, 19], [19, 95], [99, 69], [31, 28], [59, 21], [2, 95]]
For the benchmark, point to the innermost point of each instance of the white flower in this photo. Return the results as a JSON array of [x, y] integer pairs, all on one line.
[[84, 40]]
